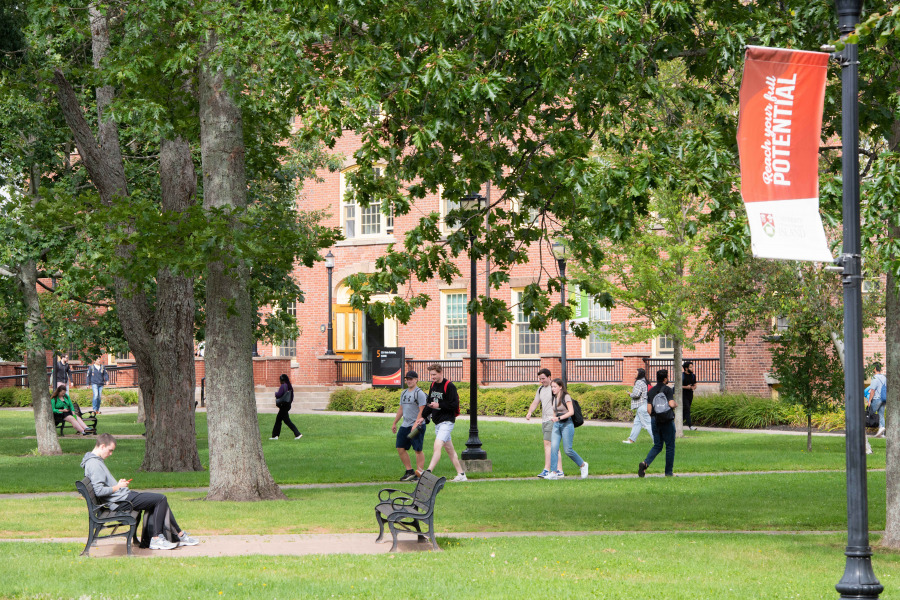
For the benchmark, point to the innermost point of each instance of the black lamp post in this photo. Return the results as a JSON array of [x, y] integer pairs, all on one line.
[[473, 451], [559, 252], [329, 266], [859, 579]]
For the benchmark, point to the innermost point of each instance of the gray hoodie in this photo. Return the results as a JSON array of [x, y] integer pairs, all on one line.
[[102, 480]]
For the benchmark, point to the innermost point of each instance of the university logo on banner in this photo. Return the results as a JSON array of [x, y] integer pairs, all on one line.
[[779, 131]]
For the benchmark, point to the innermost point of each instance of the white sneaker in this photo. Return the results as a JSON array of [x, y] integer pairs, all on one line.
[[299, 435], [560, 474], [460, 477], [161, 543], [584, 470], [186, 540], [273, 438], [553, 475], [628, 441]]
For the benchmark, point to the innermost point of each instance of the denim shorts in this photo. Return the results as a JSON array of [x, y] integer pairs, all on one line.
[[443, 430], [416, 443]]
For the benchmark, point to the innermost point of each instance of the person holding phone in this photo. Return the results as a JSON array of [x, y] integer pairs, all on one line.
[[164, 530]]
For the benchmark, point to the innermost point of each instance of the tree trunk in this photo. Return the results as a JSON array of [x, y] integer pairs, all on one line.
[[679, 392], [891, 537], [809, 432], [36, 360], [237, 466], [722, 359], [157, 338]]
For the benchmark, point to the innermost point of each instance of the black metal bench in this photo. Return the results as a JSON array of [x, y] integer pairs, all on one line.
[[89, 418], [101, 517], [405, 512]]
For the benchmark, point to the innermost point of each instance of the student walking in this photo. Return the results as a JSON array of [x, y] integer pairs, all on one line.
[[544, 397], [412, 430], [877, 397], [639, 406], [660, 407], [688, 385], [443, 402], [283, 399], [563, 429], [63, 372], [97, 377]]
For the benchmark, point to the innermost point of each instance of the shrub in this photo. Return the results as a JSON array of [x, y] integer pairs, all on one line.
[[370, 400], [342, 399], [517, 402], [736, 410], [15, 397], [492, 402]]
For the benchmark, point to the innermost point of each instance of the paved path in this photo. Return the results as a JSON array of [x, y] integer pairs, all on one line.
[[347, 543]]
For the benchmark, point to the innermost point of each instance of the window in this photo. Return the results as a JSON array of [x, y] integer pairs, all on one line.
[[360, 221], [448, 205], [527, 342], [122, 356], [782, 323], [288, 348], [665, 345], [600, 318], [455, 321]]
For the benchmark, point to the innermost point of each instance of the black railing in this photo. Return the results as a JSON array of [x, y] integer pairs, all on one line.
[[706, 369], [594, 370], [353, 371], [453, 369], [509, 370], [79, 376]]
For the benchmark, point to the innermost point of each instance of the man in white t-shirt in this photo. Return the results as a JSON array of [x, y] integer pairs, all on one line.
[[544, 397]]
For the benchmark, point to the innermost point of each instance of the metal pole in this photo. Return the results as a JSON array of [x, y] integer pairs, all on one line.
[[330, 350], [473, 449], [562, 274], [859, 579]]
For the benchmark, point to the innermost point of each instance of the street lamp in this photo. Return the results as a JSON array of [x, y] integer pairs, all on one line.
[[559, 253], [859, 579], [329, 266], [471, 203]]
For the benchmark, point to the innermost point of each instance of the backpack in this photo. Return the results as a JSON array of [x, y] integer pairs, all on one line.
[[884, 392], [577, 417], [661, 409], [428, 409]]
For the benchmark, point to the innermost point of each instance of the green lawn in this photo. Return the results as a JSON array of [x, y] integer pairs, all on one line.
[[348, 448], [660, 566]]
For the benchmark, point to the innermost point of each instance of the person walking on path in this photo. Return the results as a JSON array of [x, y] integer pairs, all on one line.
[[639, 406], [661, 408], [97, 377], [563, 429], [544, 397], [283, 399], [877, 396], [443, 405], [412, 429], [64, 410], [164, 529], [688, 385], [63, 372]]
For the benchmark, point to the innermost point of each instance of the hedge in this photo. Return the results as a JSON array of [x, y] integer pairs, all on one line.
[[18, 397]]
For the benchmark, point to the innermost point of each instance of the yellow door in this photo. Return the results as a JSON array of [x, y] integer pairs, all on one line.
[[347, 332]]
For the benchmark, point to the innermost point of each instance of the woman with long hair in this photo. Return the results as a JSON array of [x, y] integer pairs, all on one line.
[[283, 399], [639, 406], [563, 429], [64, 410]]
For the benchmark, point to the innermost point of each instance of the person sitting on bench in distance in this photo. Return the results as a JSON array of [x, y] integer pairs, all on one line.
[[108, 490], [64, 410]]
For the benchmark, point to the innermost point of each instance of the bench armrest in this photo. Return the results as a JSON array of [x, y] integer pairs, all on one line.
[[391, 495], [124, 507]]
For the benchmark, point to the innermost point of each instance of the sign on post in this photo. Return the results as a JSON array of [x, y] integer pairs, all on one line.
[[387, 367]]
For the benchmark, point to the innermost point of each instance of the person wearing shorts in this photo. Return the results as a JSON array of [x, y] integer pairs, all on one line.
[[412, 430], [544, 397], [443, 404]]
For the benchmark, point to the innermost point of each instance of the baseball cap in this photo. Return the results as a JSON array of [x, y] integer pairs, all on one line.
[[411, 375]]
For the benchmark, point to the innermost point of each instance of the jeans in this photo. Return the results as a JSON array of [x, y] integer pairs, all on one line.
[[663, 433], [284, 417], [95, 402], [565, 431], [641, 421], [878, 406]]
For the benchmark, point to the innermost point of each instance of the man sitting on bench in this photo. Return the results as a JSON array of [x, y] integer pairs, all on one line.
[[108, 490]]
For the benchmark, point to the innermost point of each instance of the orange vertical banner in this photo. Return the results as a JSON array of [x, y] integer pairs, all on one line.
[[779, 133]]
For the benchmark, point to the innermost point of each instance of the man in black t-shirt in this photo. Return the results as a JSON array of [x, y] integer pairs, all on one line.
[[661, 406], [688, 385], [443, 406]]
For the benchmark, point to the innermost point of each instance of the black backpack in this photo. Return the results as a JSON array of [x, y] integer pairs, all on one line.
[[577, 417]]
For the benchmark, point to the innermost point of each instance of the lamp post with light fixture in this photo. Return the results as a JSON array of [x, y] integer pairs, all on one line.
[[329, 266]]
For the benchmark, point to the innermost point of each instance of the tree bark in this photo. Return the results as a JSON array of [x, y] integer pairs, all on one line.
[[237, 466], [677, 353], [36, 360], [808, 431], [156, 336], [891, 537]]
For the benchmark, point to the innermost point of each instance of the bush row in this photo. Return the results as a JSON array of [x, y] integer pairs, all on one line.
[[610, 402], [17, 397]]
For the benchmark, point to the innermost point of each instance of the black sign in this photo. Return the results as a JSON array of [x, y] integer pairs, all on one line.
[[387, 367]]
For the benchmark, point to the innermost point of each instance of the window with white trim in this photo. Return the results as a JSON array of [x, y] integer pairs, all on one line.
[[456, 342], [601, 317], [665, 345], [361, 221], [527, 342], [288, 348], [447, 205]]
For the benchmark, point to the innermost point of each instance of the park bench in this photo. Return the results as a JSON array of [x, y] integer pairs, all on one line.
[[89, 418], [101, 517], [406, 512]]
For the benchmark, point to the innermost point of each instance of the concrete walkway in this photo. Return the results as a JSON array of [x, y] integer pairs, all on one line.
[[348, 543]]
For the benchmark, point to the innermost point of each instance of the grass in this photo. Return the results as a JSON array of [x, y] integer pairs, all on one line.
[[660, 566], [342, 448]]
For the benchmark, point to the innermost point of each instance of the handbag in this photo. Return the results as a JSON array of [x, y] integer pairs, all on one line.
[[285, 400]]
